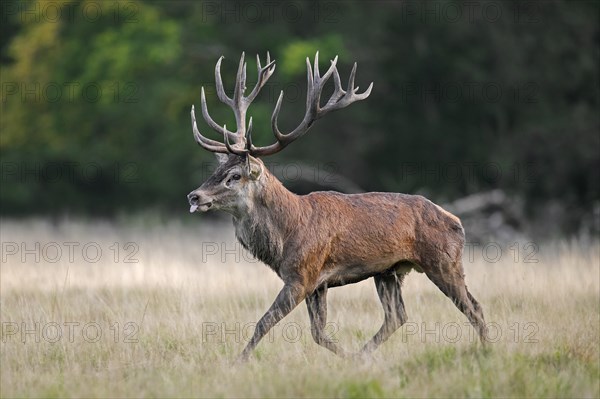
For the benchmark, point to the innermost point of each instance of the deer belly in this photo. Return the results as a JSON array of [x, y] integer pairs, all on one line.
[[349, 273]]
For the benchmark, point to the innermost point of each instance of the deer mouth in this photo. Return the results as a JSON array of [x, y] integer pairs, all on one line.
[[200, 207]]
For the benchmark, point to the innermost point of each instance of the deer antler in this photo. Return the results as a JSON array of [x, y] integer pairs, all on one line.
[[315, 83], [243, 138], [239, 104]]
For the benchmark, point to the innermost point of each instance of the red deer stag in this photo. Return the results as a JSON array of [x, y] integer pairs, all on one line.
[[325, 239]]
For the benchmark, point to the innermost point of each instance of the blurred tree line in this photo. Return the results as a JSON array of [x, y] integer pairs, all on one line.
[[468, 97]]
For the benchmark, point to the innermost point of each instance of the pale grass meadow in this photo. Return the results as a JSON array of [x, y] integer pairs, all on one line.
[[113, 309]]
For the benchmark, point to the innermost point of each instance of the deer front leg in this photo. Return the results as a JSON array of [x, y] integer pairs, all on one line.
[[317, 311], [287, 299], [389, 289]]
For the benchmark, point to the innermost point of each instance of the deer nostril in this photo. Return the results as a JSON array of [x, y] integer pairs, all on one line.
[[193, 198]]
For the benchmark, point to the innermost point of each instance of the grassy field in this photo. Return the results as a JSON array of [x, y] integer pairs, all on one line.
[[97, 309]]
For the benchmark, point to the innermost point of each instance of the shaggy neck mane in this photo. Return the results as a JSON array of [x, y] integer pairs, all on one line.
[[275, 214]]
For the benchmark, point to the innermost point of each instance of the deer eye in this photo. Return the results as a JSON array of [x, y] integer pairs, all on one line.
[[233, 177]]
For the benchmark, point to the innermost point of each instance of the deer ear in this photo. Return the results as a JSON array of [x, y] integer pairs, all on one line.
[[255, 168], [221, 158]]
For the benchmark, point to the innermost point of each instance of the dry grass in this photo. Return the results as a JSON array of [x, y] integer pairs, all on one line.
[[189, 313]]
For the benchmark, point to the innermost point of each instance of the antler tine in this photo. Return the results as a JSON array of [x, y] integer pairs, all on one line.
[[236, 103], [210, 145], [332, 69], [310, 87], [264, 73], [364, 94], [278, 135], [240, 81], [343, 98], [219, 83], [210, 120], [338, 91], [351, 79]]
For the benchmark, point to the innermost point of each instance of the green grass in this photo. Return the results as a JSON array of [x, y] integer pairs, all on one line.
[[176, 344]]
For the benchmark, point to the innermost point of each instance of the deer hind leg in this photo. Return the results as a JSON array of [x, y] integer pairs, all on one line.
[[317, 311], [389, 290], [476, 305], [450, 280]]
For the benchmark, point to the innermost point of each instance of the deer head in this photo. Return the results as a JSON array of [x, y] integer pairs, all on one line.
[[240, 174]]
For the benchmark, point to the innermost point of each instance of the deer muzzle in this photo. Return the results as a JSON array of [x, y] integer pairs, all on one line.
[[199, 202]]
